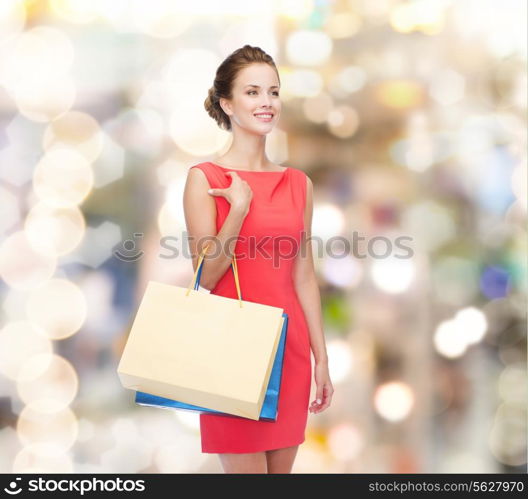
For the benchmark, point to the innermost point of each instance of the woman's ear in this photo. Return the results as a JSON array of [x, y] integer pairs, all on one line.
[[225, 105]]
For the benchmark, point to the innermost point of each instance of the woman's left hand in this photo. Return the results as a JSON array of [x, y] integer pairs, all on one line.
[[325, 389]]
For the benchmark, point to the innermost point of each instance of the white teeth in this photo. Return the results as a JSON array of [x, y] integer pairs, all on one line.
[[264, 115]]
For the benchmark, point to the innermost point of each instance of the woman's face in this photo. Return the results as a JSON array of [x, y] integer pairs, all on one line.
[[255, 95]]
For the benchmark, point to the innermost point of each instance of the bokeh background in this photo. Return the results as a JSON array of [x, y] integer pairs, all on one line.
[[408, 116]]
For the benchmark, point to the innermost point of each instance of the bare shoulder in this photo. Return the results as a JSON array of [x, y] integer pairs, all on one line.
[[196, 174]]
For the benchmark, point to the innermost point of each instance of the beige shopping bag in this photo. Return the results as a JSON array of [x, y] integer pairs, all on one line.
[[202, 349]]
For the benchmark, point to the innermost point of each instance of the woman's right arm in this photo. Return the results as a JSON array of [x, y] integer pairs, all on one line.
[[200, 217]]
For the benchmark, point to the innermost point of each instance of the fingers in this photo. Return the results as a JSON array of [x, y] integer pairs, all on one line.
[[326, 403], [216, 192], [319, 405], [319, 396], [221, 192], [318, 401]]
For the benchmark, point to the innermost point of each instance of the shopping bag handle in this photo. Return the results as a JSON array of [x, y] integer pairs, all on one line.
[[198, 272]]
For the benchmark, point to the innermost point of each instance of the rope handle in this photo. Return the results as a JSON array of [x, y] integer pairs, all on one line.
[[198, 272]]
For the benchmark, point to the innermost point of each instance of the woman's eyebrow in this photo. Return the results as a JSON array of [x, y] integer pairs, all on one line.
[[257, 86]]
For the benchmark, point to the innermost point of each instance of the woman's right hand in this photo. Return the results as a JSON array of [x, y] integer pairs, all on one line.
[[238, 194]]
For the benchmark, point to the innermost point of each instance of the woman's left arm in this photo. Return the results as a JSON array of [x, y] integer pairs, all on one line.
[[305, 282]]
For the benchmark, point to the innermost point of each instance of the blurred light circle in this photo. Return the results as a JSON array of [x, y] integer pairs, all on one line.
[[394, 400], [46, 100], [393, 275], [58, 307], [516, 213], [37, 58], [179, 456], [12, 19], [48, 383], [345, 441], [187, 77], [495, 282], [10, 210], [399, 94], [54, 231], [174, 197], [316, 108], [188, 419], [463, 460], [449, 339], [308, 48], [21, 266], [344, 272], [447, 86], [131, 452], [86, 430], [343, 121], [160, 18], [328, 220], [58, 52], [455, 280], [351, 79], [42, 458], [190, 127], [110, 165], [76, 130], [140, 130], [118, 14], [426, 16], [302, 83], [59, 428], [169, 224], [128, 456], [170, 170], [506, 438], [196, 134], [512, 384], [343, 24], [19, 341], [430, 223], [75, 11], [340, 360], [63, 178], [36, 73], [123, 427], [473, 323], [519, 183], [294, 9]]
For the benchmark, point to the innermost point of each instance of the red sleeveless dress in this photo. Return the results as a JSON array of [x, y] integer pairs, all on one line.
[[268, 243]]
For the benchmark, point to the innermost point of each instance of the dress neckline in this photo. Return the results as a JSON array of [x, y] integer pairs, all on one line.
[[247, 171]]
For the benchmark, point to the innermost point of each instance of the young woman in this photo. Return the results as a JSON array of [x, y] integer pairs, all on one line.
[[244, 202]]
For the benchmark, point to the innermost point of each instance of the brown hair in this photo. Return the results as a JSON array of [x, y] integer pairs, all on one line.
[[225, 76]]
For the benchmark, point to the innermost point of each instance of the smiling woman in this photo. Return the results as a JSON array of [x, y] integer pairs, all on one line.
[[240, 199], [247, 80]]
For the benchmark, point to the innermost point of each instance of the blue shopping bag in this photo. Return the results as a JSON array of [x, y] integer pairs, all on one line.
[[269, 410]]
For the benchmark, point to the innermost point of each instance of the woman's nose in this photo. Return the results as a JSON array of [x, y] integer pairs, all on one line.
[[266, 101]]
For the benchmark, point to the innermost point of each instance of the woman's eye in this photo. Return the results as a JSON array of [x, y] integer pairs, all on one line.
[[254, 91]]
